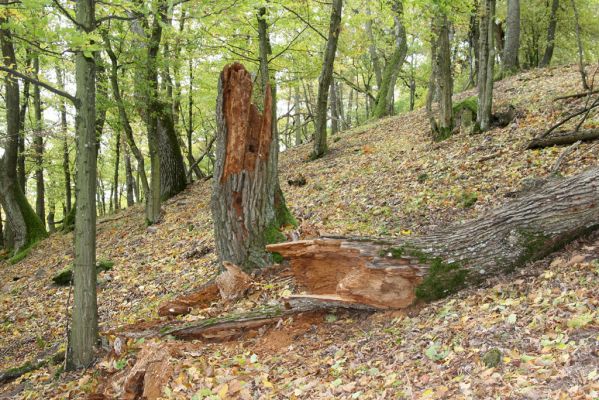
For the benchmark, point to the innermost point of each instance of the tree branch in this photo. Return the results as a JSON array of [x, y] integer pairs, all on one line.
[[305, 22], [46, 86]]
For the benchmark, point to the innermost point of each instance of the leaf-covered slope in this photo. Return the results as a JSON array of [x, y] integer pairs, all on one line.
[[386, 178]]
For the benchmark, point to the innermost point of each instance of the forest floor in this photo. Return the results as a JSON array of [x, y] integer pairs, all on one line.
[[386, 179]]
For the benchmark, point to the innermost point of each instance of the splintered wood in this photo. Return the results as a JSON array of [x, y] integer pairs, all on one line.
[[351, 273]]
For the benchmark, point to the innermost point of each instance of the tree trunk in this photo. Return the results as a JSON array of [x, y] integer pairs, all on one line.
[[130, 183], [65, 145], [1, 230], [117, 159], [25, 227], [21, 173], [581, 70], [244, 207], [394, 273], [551, 28], [334, 109], [172, 168], [384, 99], [512, 37], [38, 146], [374, 56], [487, 63], [297, 120], [84, 331], [444, 79], [324, 81], [124, 120]]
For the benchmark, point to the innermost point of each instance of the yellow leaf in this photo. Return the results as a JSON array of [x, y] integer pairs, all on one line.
[[267, 384], [222, 393]]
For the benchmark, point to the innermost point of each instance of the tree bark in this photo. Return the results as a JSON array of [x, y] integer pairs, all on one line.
[[21, 173], [334, 109], [374, 56], [324, 81], [117, 159], [551, 28], [65, 145], [512, 37], [487, 63], [84, 333], [444, 78], [38, 146], [244, 207], [172, 169], [384, 99], [25, 227], [129, 181], [392, 273]]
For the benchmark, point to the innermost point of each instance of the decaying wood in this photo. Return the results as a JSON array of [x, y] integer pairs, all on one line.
[[563, 139], [233, 282], [148, 376], [583, 111], [558, 163], [202, 298], [387, 273], [320, 301], [13, 373]]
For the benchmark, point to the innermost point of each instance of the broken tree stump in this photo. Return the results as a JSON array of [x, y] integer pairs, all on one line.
[[202, 298], [233, 282], [394, 273]]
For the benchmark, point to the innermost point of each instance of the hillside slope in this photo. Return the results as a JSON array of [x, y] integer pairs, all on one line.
[[385, 178]]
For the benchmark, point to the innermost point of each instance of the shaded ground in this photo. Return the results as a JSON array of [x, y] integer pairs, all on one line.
[[381, 179]]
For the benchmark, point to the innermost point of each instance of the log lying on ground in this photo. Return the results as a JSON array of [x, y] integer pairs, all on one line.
[[40, 362], [563, 139], [576, 95], [393, 273]]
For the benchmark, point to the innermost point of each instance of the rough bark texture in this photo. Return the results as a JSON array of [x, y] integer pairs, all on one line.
[[172, 168], [551, 28], [581, 70], [444, 78], [84, 331], [393, 273], [324, 81], [512, 37], [65, 146], [243, 198], [487, 63], [38, 146]]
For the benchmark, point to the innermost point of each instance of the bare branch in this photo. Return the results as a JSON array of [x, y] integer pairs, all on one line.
[[46, 86]]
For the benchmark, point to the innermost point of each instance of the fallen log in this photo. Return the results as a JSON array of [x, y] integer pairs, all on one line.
[[13, 373], [394, 273], [563, 139], [576, 95]]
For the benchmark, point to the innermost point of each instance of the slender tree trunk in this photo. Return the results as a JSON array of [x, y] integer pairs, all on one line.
[[334, 110], [551, 28], [512, 37], [51, 214], [189, 129], [117, 155], [84, 331], [65, 145], [129, 181], [1, 230], [297, 120], [487, 62], [350, 104], [384, 99], [21, 173], [583, 75], [324, 81], [124, 120], [38, 145], [374, 57], [431, 87]]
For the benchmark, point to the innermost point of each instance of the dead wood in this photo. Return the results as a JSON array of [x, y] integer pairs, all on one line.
[[202, 298], [563, 139], [232, 283], [393, 273], [576, 95]]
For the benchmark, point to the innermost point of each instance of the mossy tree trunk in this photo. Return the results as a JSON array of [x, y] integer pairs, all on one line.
[[84, 333], [25, 227], [393, 273], [245, 191]]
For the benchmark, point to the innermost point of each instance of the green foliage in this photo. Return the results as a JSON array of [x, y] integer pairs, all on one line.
[[470, 103], [20, 256], [468, 199], [36, 230]]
